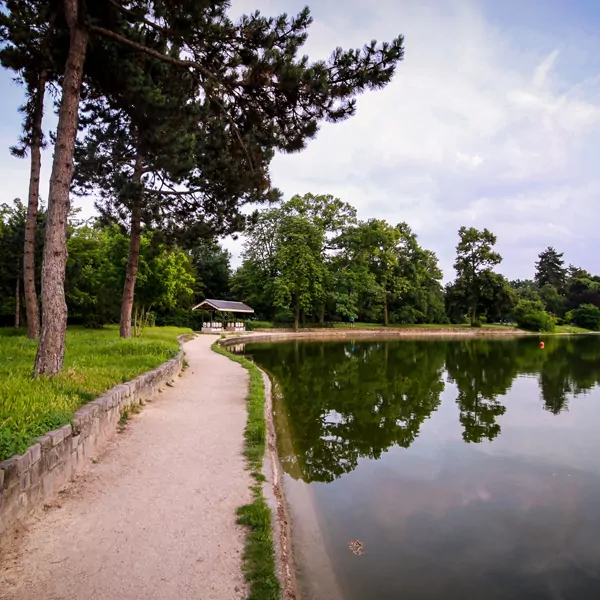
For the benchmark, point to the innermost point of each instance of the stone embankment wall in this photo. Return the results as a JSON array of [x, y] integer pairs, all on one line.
[[29, 481]]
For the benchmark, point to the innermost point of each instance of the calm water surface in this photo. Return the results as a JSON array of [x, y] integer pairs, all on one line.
[[465, 469]]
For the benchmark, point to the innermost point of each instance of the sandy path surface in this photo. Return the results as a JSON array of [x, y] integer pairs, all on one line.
[[155, 517]]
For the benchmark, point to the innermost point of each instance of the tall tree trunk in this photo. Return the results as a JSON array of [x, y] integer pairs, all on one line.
[[386, 316], [473, 314], [134, 252], [322, 315], [51, 349], [297, 316], [18, 302], [31, 301]]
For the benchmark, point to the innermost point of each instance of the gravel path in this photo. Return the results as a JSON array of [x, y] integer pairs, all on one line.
[[154, 518]]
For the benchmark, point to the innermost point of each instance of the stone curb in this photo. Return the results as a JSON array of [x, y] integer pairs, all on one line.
[[30, 480]]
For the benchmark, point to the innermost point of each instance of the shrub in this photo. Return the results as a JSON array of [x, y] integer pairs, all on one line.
[[538, 320], [254, 325], [191, 319], [530, 315], [586, 316]]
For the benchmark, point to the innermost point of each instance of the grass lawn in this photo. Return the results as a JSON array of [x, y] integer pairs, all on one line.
[[95, 361], [571, 329]]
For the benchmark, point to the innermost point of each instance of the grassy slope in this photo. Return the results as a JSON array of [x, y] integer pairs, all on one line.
[[259, 551], [95, 361], [571, 329]]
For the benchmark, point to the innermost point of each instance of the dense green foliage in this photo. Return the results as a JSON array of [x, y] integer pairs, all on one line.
[[310, 258], [474, 262], [530, 314], [12, 233], [95, 361], [182, 108], [340, 401], [170, 280], [306, 262], [586, 316]]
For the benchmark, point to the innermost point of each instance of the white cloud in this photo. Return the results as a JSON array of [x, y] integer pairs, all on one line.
[[477, 128], [472, 161], [543, 69], [481, 126]]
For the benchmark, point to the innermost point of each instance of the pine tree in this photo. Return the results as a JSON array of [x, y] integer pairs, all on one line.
[[550, 269], [236, 130], [248, 71], [28, 30]]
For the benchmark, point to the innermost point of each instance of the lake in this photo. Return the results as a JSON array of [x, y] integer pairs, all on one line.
[[441, 468]]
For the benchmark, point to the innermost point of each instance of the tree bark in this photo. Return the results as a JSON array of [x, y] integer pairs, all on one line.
[[297, 316], [31, 301], [134, 252], [386, 316], [18, 302], [51, 349]]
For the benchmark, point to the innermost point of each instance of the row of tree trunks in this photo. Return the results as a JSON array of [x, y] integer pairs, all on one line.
[[51, 349], [31, 301]]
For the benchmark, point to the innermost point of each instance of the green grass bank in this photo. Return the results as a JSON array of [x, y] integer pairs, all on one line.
[[95, 361], [259, 552]]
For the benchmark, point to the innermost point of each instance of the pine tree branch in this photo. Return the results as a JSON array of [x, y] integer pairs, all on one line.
[[154, 53], [132, 13], [180, 63], [173, 192]]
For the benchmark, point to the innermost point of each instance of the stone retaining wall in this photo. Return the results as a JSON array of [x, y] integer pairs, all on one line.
[[29, 481], [268, 336]]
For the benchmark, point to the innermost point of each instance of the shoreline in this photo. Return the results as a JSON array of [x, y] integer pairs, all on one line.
[[326, 335], [286, 335]]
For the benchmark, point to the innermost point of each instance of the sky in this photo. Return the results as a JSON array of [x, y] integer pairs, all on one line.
[[492, 120]]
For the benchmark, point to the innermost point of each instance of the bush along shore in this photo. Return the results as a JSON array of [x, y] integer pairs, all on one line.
[[96, 360], [259, 552]]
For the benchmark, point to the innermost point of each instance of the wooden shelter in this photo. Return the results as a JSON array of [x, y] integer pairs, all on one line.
[[226, 308]]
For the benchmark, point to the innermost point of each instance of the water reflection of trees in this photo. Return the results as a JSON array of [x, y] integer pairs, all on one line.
[[347, 401], [482, 372], [343, 402]]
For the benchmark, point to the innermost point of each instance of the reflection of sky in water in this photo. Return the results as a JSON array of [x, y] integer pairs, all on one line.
[[514, 518], [570, 438]]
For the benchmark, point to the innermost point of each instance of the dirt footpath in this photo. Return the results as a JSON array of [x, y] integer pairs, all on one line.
[[154, 517]]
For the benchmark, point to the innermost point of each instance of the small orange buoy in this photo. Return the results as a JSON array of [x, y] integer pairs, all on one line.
[[542, 345]]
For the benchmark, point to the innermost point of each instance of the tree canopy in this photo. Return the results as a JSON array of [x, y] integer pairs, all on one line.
[[475, 259], [187, 108]]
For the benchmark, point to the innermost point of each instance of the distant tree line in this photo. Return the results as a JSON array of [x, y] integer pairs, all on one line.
[[311, 260], [306, 261], [556, 295]]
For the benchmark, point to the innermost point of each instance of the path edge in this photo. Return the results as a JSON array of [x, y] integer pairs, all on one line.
[[270, 488], [31, 480]]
